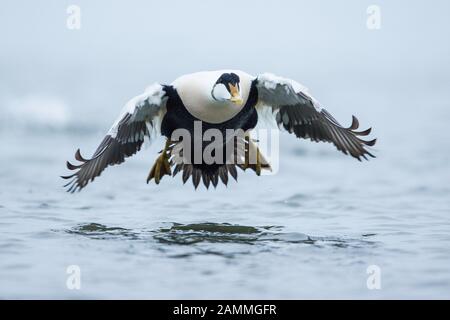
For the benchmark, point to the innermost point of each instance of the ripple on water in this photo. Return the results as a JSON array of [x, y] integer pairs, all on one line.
[[294, 201], [209, 232], [216, 238], [100, 231]]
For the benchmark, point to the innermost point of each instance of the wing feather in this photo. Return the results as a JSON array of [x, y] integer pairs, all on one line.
[[123, 140], [296, 111]]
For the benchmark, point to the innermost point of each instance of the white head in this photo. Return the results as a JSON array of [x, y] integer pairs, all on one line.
[[227, 88], [214, 96]]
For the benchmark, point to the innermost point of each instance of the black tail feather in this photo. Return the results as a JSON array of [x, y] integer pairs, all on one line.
[[208, 174]]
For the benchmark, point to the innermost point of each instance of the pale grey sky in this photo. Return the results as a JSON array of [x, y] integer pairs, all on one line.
[[125, 45]]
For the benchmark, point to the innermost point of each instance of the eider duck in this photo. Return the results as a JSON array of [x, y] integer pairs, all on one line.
[[220, 101]]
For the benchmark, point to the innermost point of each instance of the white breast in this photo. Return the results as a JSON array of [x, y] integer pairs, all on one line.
[[195, 92]]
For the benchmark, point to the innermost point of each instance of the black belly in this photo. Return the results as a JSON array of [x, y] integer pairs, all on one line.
[[178, 117]]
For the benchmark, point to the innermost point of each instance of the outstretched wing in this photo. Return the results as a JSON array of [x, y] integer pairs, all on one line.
[[299, 113], [124, 139]]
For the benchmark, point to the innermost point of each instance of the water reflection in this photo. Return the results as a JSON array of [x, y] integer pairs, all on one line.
[[216, 234]]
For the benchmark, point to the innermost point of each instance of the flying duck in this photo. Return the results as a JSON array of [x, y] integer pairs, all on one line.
[[220, 101]]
